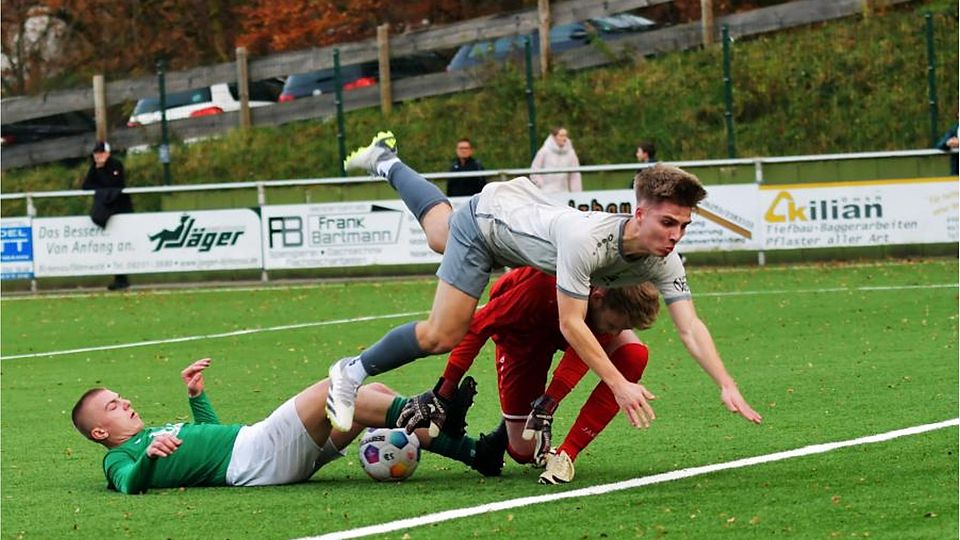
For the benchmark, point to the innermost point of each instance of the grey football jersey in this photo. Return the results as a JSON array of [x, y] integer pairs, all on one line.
[[524, 228]]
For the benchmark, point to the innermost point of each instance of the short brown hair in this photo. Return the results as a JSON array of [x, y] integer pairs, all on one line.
[[641, 303], [667, 183], [79, 422], [649, 148]]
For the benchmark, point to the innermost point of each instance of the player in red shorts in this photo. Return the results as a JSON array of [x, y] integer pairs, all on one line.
[[521, 318]]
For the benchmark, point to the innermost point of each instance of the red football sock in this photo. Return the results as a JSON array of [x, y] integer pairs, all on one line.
[[568, 373], [601, 407]]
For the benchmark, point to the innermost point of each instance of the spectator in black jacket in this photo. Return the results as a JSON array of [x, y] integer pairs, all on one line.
[[647, 152], [464, 187], [106, 177], [949, 143]]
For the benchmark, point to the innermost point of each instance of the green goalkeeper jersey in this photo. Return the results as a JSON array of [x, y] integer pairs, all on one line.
[[201, 460]]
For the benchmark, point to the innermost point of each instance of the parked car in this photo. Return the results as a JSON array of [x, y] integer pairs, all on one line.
[[563, 37], [355, 76], [314, 83], [47, 127], [215, 99]]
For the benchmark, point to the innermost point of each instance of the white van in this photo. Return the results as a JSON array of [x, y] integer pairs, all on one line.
[[216, 99]]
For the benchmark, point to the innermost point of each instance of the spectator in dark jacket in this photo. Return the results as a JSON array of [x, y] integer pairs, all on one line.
[[950, 143], [106, 178], [464, 187], [647, 152]]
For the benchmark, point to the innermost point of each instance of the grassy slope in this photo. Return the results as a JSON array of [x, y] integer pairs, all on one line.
[[820, 367], [844, 86]]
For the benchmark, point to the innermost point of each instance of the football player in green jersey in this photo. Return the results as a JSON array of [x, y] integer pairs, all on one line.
[[288, 446]]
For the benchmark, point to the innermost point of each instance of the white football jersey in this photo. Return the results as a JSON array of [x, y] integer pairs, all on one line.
[[522, 227]]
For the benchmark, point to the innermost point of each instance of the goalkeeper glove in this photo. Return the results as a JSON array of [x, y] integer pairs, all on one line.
[[538, 426], [425, 410]]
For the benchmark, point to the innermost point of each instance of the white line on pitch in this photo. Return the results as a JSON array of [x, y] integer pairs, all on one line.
[[335, 282], [214, 336], [397, 315], [159, 290], [834, 289], [669, 476]]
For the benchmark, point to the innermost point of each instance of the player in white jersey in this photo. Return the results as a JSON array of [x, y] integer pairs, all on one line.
[[523, 228], [511, 223]]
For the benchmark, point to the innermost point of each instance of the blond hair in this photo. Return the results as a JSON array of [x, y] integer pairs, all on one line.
[[80, 420], [640, 303]]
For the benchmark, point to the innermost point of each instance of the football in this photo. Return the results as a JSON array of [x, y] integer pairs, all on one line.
[[389, 455]]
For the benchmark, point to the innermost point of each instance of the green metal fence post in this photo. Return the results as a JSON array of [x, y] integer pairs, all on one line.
[[164, 150], [932, 83], [338, 100], [531, 106], [728, 94]]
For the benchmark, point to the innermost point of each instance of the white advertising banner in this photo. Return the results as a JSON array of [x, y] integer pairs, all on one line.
[[343, 234], [17, 259], [151, 242], [870, 213], [733, 217], [725, 220]]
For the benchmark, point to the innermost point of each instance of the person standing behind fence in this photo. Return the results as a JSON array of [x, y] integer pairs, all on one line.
[[557, 152], [949, 143], [646, 152], [465, 187], [106, 178]]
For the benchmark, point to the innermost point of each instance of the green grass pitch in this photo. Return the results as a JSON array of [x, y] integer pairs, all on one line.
[[825, 352]]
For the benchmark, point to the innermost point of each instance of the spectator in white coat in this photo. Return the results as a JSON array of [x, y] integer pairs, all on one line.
[[557, 152]]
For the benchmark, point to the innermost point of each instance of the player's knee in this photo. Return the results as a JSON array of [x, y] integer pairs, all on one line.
[[436, 340], [447, 343], [520, 449], [380, 388], [521, 455], [437, 242], [436, 226]]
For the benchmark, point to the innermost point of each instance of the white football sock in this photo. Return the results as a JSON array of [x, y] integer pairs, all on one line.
[[356, 371], [383, 167]]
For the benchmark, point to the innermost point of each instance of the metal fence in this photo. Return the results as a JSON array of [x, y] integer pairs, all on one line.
[[262, 186], [758, 166]]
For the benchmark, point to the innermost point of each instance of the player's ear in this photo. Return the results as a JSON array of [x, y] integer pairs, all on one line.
[[640, 211], [597, 295], [99, 434]]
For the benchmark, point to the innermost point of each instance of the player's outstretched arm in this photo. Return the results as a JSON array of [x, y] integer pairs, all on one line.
[[699, 343], [630, 396], [192, 376]]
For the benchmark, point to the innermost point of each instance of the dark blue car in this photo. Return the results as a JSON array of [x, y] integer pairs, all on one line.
[[355, 76], [563, 37]]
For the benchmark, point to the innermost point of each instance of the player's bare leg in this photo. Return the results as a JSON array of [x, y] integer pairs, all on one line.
[[436, 225], [427, 203], [449, 319], [403, 344]]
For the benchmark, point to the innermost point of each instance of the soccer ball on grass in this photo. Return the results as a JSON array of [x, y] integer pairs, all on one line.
[[389, 454]]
